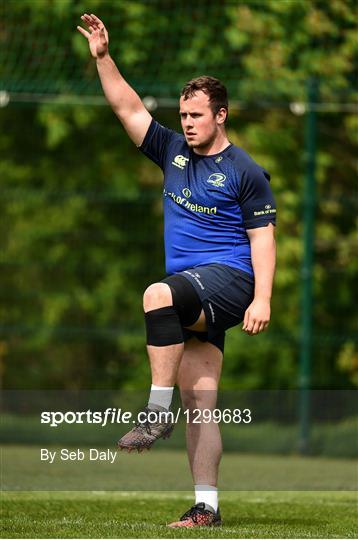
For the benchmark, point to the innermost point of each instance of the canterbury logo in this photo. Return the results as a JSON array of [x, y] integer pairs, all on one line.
[[217, 179], [180, 161]]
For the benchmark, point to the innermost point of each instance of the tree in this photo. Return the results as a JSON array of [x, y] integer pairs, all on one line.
[[82, 220]]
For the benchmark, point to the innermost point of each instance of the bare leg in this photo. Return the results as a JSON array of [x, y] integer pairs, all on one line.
[[164, 361], [198, 378]]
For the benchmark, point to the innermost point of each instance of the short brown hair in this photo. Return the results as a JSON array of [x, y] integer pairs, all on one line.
[[212, 87]]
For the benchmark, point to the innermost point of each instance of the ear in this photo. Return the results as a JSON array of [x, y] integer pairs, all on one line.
[[221, 116]]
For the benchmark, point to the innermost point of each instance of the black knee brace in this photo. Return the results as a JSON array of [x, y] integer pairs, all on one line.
[[185, 299], [164, 325]]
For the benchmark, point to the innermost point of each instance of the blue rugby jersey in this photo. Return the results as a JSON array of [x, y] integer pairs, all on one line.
[[209, 201]]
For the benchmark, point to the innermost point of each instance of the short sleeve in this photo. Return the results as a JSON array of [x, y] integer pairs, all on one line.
[[256, 199], [156, 142]]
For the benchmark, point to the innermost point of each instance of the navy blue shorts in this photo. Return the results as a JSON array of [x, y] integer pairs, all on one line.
[[225, 294]]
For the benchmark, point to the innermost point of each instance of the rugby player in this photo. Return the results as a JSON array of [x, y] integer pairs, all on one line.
[[219, 217]]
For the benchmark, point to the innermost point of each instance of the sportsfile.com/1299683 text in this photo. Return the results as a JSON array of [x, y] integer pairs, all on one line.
[[113, 415]]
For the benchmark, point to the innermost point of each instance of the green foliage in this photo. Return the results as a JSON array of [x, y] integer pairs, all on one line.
[[261, 48], [81, 223]]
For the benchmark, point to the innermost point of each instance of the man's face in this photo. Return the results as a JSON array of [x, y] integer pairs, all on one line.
[[199, 125]]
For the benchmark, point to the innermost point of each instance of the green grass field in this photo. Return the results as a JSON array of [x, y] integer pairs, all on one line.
[[167, 470], [144, 515], [279, 497]]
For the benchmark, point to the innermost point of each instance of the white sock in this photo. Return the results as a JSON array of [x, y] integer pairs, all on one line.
[[161, 395], [207, 494]]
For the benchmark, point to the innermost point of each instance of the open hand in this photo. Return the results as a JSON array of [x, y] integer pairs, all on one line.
[[97, 35], [257, 317]]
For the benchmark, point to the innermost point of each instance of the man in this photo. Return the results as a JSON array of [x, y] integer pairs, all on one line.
[[219, 218]]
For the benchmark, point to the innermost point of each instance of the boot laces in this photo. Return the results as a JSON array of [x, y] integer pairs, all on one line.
[[139, 426], [194, 512]]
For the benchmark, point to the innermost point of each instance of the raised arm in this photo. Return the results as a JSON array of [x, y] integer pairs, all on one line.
[[263, 255], [124, 101]]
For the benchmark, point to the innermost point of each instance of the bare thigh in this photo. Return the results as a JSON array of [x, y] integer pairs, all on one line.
[[200, 323]]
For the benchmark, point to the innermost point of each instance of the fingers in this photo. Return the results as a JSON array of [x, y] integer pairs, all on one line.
[[97, 20], [83, 32], [246, 320], [253, 326], [249, 323], [262, 327], [92, 21], [253, 329]]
